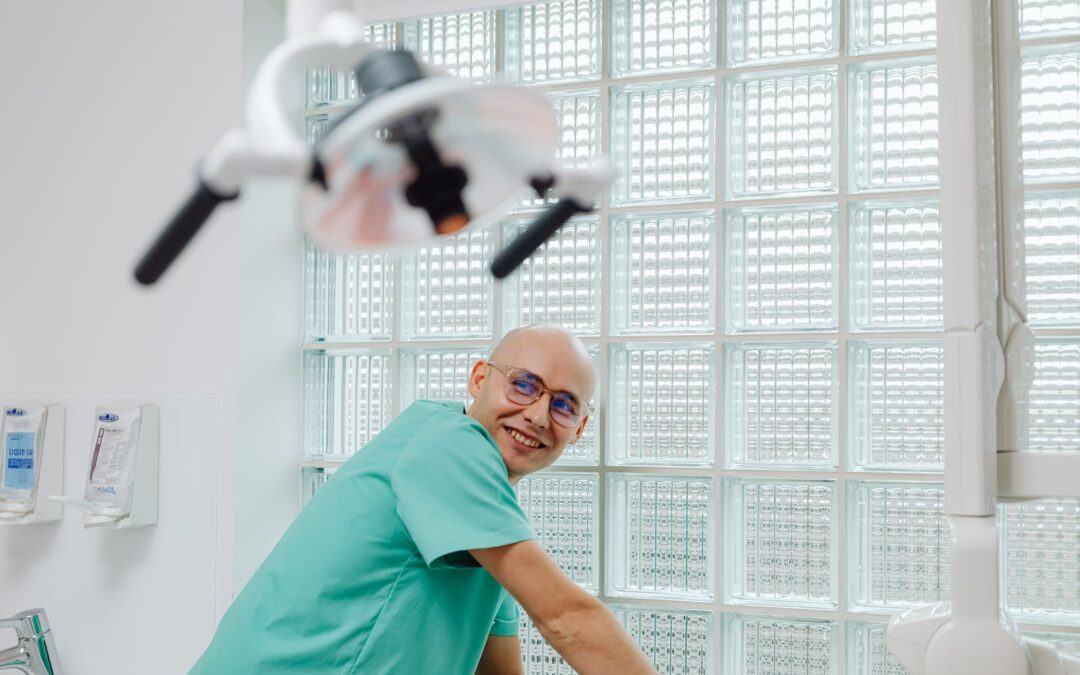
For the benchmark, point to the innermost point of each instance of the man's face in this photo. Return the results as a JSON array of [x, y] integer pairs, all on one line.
[[527, 436]]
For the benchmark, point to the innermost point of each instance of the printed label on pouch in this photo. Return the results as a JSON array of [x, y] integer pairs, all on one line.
[[19, 460], [108, 462]]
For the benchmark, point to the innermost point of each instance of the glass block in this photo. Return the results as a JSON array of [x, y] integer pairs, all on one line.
[[1041, 561], [1049, 17], [1050, 114], [765, 31], [889, 25], [781, 405], [1066, 643], [1054, 402], [1052, 258], [463, 44], [579, 133], [662, 140], [436, 374], [761, 645], [781, 268], [672, 641], [895, 266], [328, 86], [560, 283], [662, 273], [554, 41], [538, 656], [348, 296], [893, 125], [316, 126], [896, 406], [446, 288], [662, 37], [587, 450], [780, 542], [347, 399], [311, 479], [564, 510], [781, 133], [898, 545], [660, 537], [660, 404], [867, 653]]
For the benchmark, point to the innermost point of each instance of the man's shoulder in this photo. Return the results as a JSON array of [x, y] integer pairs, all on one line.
[[438, 417], [430, 407], [428, 424]]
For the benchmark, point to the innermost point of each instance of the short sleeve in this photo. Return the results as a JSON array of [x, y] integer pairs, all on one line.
[[452, 492], [506, 619]]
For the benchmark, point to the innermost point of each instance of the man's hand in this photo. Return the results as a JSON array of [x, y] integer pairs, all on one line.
[[576, 624], [502, 656]]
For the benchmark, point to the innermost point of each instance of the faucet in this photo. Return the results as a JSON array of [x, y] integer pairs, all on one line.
[[35, 653]]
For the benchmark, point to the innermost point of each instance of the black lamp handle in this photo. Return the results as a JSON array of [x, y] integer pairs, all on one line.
[[185, 224], [534, 237]]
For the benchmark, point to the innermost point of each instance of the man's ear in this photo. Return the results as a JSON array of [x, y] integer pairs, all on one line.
[[476, 377], [580, 430]]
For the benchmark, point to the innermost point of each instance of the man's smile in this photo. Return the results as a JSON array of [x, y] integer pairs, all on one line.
[[523, 439]]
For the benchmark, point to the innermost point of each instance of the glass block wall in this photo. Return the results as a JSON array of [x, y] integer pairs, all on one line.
[[761, 487]]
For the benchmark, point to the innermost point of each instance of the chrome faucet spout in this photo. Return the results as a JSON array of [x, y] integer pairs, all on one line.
[[35, 652], [15, 658]]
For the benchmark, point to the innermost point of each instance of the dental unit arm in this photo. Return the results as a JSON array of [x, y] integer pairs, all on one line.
[[988, 344], [422, 155]]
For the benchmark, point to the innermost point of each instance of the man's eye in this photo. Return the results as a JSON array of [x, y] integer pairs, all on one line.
[[565, 404], [525, 387]]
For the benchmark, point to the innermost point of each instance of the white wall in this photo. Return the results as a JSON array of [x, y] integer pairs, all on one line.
[[106, 108]]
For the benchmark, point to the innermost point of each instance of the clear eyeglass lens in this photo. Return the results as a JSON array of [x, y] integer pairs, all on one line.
[[523, 388]]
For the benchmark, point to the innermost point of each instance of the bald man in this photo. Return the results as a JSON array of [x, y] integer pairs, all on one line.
[[410, 559]]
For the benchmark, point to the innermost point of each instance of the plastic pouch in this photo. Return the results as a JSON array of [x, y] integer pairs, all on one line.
[[112, 463], [22, 436]]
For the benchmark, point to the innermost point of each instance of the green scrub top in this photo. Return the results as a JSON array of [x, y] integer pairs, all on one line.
[[374, 575]]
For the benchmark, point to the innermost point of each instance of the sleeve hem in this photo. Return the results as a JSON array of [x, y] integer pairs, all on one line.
[[438, 549]]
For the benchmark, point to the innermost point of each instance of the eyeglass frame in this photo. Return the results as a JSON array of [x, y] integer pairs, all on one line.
[[589, 408]]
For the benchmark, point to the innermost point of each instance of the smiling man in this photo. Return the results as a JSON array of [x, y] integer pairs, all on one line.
[[410, 558]]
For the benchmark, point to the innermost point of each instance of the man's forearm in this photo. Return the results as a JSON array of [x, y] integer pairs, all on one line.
[[592, 641]]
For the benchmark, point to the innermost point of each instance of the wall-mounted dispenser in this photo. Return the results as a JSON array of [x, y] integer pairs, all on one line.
[[32, 456], [122, 481]]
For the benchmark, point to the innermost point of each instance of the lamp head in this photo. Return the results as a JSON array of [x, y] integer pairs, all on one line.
[[423, 155]]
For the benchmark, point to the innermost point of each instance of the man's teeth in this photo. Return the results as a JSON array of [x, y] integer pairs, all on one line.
[[523, 439]]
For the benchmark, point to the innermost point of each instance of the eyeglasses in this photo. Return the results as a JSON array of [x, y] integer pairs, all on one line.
[[524, 388]]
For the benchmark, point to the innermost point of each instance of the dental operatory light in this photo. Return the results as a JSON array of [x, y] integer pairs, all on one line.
[[421, 155]]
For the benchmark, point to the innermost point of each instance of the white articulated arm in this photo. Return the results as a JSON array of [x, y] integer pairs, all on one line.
[[270, 144]]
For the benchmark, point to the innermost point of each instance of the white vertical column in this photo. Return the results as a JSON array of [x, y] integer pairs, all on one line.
[[973, 363], [966, 636]]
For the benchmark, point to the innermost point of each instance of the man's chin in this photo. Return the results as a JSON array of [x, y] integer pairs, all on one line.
[[518, 465]]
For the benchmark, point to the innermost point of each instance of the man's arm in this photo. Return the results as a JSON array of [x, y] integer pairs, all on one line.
[[502, 656], [576, 624]]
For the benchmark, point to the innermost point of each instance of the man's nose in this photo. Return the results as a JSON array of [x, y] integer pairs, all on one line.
[[538, 413]]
